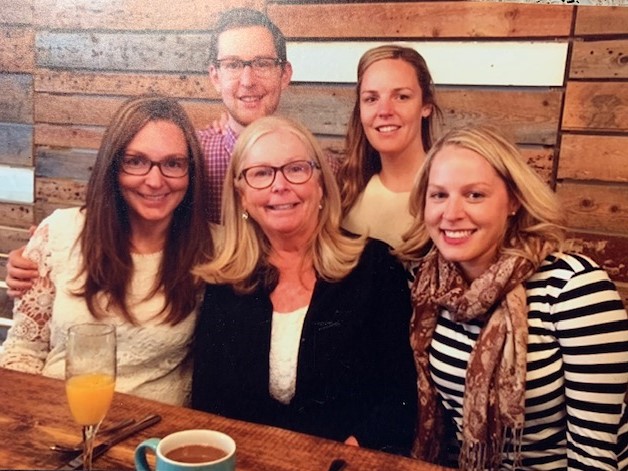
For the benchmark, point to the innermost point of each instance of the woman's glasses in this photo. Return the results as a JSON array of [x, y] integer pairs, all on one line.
[[260, 66], [262, 176], [171, 167]]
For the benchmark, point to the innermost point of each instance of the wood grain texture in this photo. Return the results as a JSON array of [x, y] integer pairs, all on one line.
[[16, 98], [591, 157], [61, 163], [16, 144], [60, 190], [600, 59], [42, 416], [599, 208], [599, 106], [131, 84], [16, 12], [87, 137], [136, 52], [610, 252], [591, 20], [12, 238], [16, 215], [422, 20], [17, 51], [136, 15]]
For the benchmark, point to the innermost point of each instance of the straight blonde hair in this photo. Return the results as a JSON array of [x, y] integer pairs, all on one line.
[[242, 255]]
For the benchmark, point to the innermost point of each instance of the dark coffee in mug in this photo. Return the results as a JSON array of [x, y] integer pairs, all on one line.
[[195, 454]]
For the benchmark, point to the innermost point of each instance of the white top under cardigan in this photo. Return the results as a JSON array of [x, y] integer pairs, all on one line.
[[153, 358]]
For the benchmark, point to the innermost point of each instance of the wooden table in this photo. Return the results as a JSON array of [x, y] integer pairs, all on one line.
[[34, 414]]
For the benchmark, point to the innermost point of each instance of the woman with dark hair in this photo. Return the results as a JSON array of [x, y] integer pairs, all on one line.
[[390, 130], [125, 257]]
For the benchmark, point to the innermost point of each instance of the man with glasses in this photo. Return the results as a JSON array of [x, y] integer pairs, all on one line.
[[249, 68]]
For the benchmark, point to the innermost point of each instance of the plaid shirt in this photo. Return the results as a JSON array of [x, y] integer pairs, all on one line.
[[217, 149]]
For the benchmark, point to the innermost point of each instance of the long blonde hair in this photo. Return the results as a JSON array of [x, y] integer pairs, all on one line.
[[363, 161], [539, 221], [243, 254]]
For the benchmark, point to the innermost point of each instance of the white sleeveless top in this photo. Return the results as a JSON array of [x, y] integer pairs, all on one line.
[[284, 353]]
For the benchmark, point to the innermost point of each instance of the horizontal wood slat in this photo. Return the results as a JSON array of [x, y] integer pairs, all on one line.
[[16, 98], [16, 12], [17, 215], [60, 191], [61, 163], [12, 238], [599, 208], [590, 157], [422, 20], [600, 59], [591, 20], [136, 14], [610, 252], [16, 144], [112, 83], [600, 106], [17, 51]]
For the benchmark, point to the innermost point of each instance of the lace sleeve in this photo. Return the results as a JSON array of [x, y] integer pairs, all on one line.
[[28, 341]]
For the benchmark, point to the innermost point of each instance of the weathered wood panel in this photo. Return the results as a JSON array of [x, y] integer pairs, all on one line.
[[587, 157], [599, 208], [600, 59], [422, 20], [135, 14], [112, 83], [610, 252], [62, 163], [162, 52], [622, 288], [16, 215], [92, 110], [16, 12], [16, 99], [17, 52], [16, 144], [58, 190], [600, 106], [591, 20], [12, 238], [87, 137]]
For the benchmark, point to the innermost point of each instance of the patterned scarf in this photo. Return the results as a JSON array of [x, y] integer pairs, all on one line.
[[493, 403]]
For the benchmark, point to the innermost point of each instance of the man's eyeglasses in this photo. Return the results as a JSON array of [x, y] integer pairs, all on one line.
[[260, 66], [172, 167], [262, 176]]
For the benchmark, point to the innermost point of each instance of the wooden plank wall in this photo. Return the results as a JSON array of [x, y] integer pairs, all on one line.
[[66, 66]]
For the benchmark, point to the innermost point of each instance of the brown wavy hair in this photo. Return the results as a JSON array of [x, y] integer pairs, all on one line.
[[363, 161], [105, 238]]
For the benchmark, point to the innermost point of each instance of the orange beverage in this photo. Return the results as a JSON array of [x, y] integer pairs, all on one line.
[[89, 397]]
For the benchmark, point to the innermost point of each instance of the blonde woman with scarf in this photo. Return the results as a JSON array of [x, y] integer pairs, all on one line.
[[521, 350]]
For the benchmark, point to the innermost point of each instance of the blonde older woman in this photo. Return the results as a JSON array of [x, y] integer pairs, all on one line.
[[521, 348], [303, 327]]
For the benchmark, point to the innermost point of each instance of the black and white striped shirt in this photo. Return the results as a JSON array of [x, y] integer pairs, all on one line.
[[577, 368]]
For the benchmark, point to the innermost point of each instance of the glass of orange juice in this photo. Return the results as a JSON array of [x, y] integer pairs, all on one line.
[[90, 378]]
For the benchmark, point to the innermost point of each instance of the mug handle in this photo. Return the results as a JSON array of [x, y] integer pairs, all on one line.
[[141, 463]]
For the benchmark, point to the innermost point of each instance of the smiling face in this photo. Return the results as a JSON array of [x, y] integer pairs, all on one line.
[[466, 209], [248, 96], [152, 198], [391, 107], [285, 211]]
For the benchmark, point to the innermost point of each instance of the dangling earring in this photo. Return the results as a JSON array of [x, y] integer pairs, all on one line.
[[245, 215]]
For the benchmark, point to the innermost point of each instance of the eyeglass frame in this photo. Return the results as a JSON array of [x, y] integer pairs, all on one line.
[[277, 62], [313, 166], [154, 164]]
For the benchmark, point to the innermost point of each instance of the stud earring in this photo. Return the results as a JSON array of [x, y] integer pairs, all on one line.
[[245, 215], [320, 206]]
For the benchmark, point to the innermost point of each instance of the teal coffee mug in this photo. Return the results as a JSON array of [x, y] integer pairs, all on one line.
[[189, 450]]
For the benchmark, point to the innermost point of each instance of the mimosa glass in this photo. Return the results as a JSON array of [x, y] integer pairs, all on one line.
[[90, 378]]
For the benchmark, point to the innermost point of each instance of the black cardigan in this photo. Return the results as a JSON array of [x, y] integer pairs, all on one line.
[[355, 373]]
